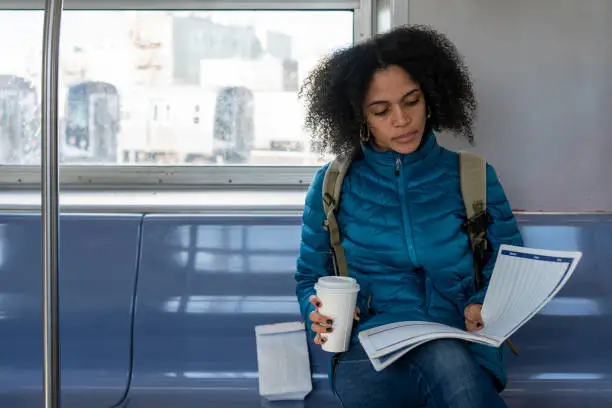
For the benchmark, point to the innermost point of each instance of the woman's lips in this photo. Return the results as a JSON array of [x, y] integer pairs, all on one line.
[[406, 137]]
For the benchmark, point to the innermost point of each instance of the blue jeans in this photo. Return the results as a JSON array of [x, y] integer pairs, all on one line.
[[438, 374]]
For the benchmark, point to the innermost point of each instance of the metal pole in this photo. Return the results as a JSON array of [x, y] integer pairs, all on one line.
[[50, 203]]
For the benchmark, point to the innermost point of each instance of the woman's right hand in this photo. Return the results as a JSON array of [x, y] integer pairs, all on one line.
[[321, 323]]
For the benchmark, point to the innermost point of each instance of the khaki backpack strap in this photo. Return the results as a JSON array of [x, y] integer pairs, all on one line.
[[332, 187], [473, 176], [473, 183]]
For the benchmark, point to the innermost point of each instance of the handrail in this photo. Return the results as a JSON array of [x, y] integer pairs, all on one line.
[[50, 203]]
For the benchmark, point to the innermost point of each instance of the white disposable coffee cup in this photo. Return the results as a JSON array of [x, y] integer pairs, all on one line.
[[339, 297]]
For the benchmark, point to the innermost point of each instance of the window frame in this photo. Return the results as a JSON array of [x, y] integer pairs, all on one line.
[[86, 176], [189, 4]]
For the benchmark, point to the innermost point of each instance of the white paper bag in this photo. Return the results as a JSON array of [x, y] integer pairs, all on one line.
[[282, 360]]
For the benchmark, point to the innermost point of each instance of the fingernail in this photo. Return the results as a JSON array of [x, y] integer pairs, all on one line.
[[329, 329], [330, 321]]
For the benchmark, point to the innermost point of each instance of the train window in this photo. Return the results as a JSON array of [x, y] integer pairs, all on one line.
[[242, 68]]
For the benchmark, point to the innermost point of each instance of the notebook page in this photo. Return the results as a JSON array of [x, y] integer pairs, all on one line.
[[523, 281], [387, 339], [382, 362], [384, 337]]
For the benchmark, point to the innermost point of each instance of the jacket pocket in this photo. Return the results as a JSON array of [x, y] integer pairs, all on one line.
[[364, 301], [428, 293]]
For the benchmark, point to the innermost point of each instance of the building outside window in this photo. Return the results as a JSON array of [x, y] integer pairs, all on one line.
[[131, 77]]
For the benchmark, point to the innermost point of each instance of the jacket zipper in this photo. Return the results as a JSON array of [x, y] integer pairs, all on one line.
[[405, 215], [408, 232]]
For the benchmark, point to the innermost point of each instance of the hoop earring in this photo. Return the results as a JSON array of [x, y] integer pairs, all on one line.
[[365, 136]]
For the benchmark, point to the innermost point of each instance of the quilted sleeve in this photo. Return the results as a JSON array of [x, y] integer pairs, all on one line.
[[503, 229], [314, 258]]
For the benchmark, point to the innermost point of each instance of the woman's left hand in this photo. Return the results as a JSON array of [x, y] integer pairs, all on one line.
[[473, 318]]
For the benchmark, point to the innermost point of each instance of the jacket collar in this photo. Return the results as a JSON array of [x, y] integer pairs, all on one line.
[[385, 162]]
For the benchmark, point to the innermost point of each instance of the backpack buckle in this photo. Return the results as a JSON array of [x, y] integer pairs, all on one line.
[[478, 223], [329, 200]]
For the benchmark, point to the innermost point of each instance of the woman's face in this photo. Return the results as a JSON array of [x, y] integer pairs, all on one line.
[[395, 110]]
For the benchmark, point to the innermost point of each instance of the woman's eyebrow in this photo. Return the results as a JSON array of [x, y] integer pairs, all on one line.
[[405, 95]]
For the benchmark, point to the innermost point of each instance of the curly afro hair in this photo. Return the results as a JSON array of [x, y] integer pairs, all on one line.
[[334, 91]]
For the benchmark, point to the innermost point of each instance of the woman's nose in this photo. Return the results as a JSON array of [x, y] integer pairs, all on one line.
[[399, 117]]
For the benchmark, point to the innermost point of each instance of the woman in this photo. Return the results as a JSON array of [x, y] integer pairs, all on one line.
[[401, 218]]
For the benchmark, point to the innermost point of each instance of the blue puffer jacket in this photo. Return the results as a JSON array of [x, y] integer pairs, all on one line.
[[401, 222]]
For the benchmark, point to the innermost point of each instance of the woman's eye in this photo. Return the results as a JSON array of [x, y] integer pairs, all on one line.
[[409, 103]]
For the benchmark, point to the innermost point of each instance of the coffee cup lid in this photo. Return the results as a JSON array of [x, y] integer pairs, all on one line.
[[338, 283]]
